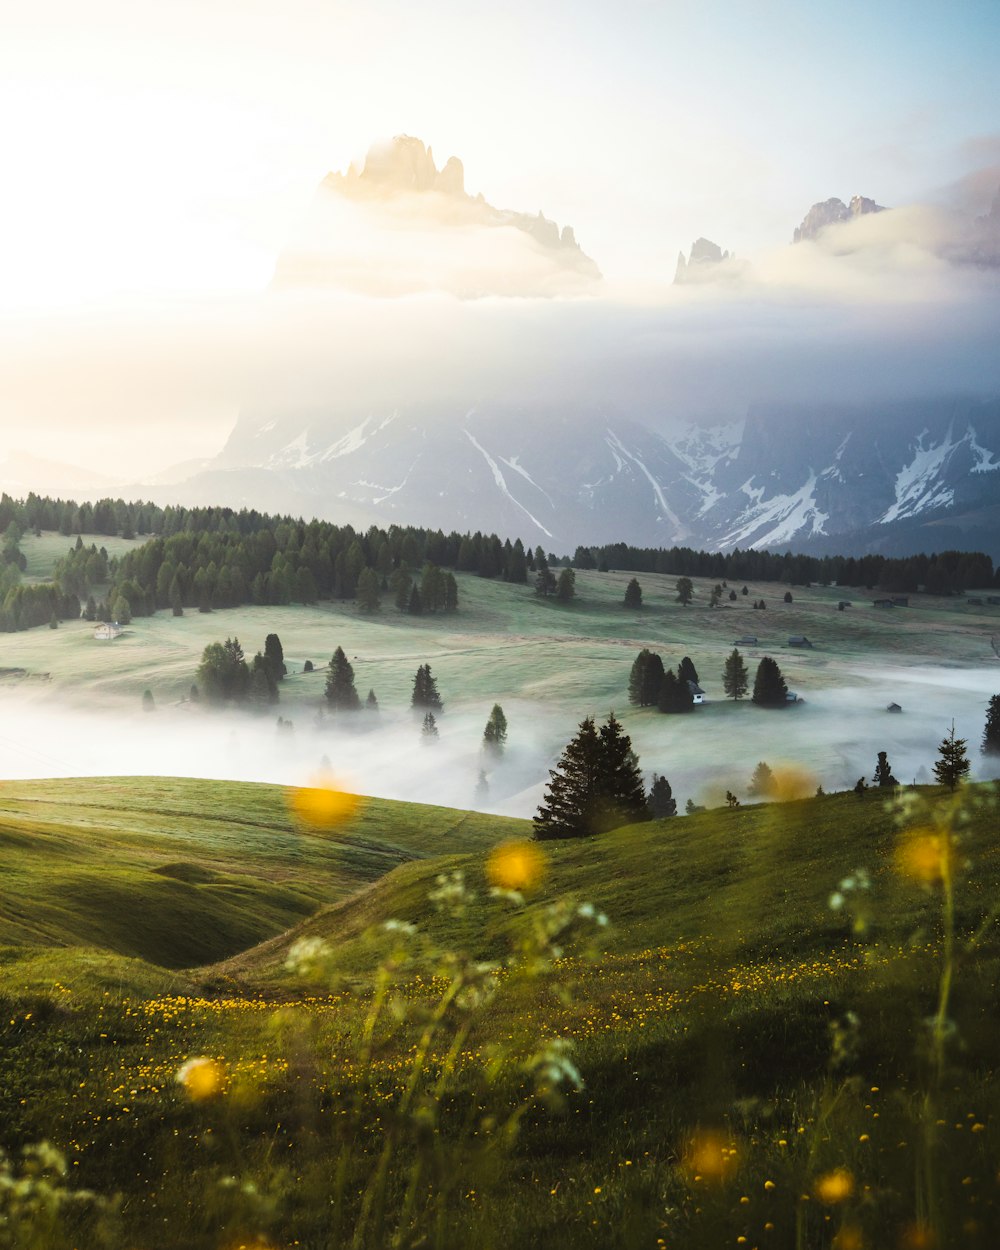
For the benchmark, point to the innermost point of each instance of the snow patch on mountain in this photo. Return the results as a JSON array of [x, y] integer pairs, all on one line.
[[512, 463], [501, 481], [665, 509], [986, 461], [919, 484], [781, 518]]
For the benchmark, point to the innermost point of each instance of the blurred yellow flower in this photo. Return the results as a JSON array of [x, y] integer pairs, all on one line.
[[923, 855], [324, 803], [515, 866], [791, 781], [848, 1238], [709, 1156], [834, 1186], [201, 1077]]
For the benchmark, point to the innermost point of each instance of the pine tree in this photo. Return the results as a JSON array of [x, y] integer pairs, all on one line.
[[340, 692], [675, 695], [685, 591], [450, 593], [633, 595], [991, 733], [275, 656], [686, 671], [953, 765], [545, 582], [661, 801], [371, 703], [174, 595], [425, 691], [566, 586], [596, 785], [148, 704], [762, 782], [883, 773], [735, 681], [645, 679], [769, 689], [429, 730], [400, 583], [368, 596], [495, 733], [731, 799]]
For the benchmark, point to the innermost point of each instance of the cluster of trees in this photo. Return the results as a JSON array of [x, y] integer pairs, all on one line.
[[563, 587], [650, 685], [942, 573], [225, 677]]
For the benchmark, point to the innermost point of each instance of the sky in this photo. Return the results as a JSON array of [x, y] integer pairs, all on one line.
[[158, 156]]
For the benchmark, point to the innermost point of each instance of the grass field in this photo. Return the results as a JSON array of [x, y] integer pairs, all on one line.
[[758, 1067]]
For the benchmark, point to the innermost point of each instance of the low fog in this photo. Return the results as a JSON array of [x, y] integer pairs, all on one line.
[[835, 733]]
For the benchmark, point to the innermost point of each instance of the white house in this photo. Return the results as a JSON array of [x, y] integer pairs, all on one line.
[[107, 631]]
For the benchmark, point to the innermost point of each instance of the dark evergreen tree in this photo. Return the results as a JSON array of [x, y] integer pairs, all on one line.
[[735, 680], [275, 656], [307, 667], [495, 733], [340, 692], [425, 691], [952, 765], [731, 799], [262, 689], [686, 671], [633, 595], [675, 695], [429, 730], [883, 773], [991, 733], [661, 799], [769, 689], [450, 592], [545, 581], [596, 785], [400, 584], [566, 586], [223, 673], [416, 605], [685, 591], [860, 786], [645, 679], [148, 703], [369, 599], [371, 703], [788, 596]]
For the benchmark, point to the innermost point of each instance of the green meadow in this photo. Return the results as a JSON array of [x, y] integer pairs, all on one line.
[[738, 1062]]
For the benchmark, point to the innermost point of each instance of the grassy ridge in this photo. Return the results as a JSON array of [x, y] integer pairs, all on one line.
[[180, 872]]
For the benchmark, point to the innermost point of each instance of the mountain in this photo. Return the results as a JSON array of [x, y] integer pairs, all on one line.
[[398, 225], [833, 212], [705, 263], [916, 475]]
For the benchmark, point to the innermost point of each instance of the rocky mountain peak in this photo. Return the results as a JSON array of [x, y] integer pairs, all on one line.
[[833, 212], [705, 256]]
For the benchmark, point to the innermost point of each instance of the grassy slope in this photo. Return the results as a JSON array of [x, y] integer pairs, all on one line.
[[183, 872]]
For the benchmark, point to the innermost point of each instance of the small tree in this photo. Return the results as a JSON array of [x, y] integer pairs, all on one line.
[[715, 597], [566, 586], [425, 692], [148, 705], [340, 692], [883, 773], [735, 680], [661, 799], [369, 599], [769, 689], [860, 786], [307, 667], [645, 679], [429, 731], [991, 734], [275, 657], [686, 670], [685, 591], [633, 595], [495, 733], [731, 799], [675, 695], [371, 703], [762, 782], [545, 582], [953, 764], [788, 596]]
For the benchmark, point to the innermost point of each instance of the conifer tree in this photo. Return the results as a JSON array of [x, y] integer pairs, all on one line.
[[371, 703], [633, 595], [953, 764], [991, 733], [735, 681], [495, 733], [762, 782], [685, 591], [566, 586], [429, 731], [645, 679], [274, 654], [661, 799], [686, 671], [340, 692], [883, 773], [596, 785], [369, 599], [425, 691], [675, 695], [769, 689]]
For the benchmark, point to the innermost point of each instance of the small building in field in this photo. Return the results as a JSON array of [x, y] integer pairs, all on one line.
[[792, 697], [799, 640], [844, 603], [893, 707], [748, 640], [994, 600], [107, 631], [883, 603], [976, 603], [697, 694], [900, 601]]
